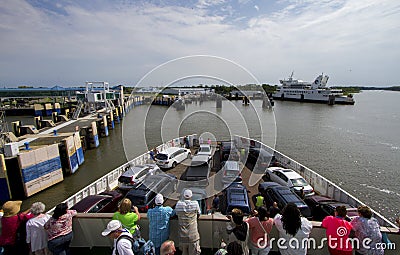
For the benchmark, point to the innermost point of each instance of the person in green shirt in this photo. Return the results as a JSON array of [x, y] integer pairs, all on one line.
[[259, 200], [127, 218]]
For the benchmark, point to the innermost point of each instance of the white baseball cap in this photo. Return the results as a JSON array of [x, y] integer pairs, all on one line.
[[187, 193], [111, 226], [159, 199]]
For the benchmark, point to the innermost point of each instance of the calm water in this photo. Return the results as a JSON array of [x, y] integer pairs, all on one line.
[[356, 146]]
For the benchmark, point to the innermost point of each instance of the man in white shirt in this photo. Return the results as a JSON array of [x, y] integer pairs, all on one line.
[[123, 240]]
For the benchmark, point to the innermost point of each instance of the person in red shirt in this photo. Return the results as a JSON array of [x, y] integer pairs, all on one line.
[[260, 226], [337, 232], [11, 221]]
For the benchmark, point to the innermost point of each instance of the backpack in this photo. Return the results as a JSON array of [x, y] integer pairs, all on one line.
[[139, 246], [241, 232]]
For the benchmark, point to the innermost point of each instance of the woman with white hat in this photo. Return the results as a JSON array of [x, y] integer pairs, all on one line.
[[11, 222]]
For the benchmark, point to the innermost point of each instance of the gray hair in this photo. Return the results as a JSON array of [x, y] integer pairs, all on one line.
[[37, 208]]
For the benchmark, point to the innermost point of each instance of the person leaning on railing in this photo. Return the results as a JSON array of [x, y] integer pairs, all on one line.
[[59, 229], [36, 236], [260, 226], [366, 226], [188, 211], [127, 218], [159, 222]]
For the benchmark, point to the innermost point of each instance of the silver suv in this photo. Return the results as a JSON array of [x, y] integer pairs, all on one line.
[[136, 174]]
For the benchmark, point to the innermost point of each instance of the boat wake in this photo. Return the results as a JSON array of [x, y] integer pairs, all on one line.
[[387, 191]]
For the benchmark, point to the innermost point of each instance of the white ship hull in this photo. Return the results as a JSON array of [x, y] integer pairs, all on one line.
[[309, 96], [317, 91]]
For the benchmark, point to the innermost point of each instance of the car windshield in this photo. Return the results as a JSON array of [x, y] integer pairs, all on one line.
[[162, 156], [300, 182]]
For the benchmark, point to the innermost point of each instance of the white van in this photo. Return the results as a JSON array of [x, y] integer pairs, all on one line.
[[171, 157]]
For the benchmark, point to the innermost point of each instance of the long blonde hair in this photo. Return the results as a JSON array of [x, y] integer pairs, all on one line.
[[125, 206]]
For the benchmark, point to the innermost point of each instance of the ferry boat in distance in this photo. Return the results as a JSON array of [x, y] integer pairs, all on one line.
[[317, 91]]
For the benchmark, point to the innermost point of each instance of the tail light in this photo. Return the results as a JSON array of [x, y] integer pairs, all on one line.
[[132, 180], [144, 209]]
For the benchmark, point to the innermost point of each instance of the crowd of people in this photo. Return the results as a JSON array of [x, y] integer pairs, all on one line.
[[36, 232]]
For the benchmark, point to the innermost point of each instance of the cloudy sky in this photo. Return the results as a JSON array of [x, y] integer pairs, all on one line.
[[47, 43]]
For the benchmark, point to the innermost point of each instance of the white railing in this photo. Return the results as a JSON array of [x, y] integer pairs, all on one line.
[[110, 180]]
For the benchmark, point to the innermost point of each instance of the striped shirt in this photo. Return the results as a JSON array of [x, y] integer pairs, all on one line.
[[61, 226], [187, 212]]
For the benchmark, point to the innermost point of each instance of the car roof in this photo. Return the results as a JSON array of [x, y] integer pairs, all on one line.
[[235, 186], [89, 201], [205, 145], [336, 204], [318, 199], [170, 150], [291, 174], [140, 190], [231, 165], [269, 184], [199, 160], [135, 170]]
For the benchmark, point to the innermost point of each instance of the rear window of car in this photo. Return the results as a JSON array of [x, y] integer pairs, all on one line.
[[230, 173], [100, 205], [124, 179], [137, 200], [226, 146], [162, 156], [299, 182], [204, 149]]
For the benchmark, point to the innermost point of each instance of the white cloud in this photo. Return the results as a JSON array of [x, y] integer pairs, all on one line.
[[121, 44]]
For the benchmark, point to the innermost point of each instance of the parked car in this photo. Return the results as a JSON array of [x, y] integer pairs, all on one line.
[[235, 196], [259, 159], [136, 174], [289, 178], [231, 172], [205, 149], [143, 194], [105, 202], [171, 157], [324, 206], [228, 151], [198, 171], [274, 192]]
